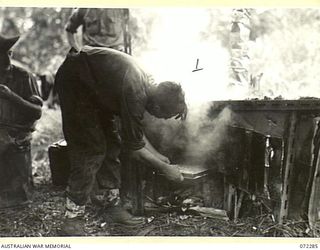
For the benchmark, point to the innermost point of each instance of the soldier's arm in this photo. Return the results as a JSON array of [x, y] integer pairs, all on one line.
[[155, 152], [31, 107], [171, 172], [71, 37], [74, 22]]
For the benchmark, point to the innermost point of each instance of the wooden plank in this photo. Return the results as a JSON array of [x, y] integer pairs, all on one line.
[[314, 202], [235, 207], [229, 193], [247, 162], [313, 161], [207, 194], [310, 105], [288, 165], [225, 194], [137, 189], [238, 205]]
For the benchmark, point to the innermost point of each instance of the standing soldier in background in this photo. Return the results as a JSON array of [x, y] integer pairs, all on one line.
[[20, 107], [100, 28]]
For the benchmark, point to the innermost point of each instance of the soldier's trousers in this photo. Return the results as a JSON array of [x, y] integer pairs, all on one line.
[[15, 171], [93, 140]]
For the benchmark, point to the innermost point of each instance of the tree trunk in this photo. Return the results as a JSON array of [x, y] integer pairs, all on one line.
[[239, 47]]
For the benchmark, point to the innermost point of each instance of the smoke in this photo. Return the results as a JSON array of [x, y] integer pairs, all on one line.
[[176, 49], [205, 136], [193, 141]]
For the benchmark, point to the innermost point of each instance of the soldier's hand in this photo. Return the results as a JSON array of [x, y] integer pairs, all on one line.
[[5, 92], [73, 52], [164, 158], [172, 172]]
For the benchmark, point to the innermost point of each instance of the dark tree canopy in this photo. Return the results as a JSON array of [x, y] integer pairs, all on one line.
[[43, 43]]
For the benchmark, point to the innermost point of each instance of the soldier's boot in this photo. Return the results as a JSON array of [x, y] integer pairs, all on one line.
[[120, 215], [116, 213], [74, 222]]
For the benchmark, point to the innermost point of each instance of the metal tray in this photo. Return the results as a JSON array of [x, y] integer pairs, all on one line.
[[193, 172]]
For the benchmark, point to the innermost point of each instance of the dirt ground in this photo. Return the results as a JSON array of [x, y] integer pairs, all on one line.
[[44, 214]]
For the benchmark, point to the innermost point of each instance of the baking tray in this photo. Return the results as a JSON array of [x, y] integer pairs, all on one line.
[[193, 172]]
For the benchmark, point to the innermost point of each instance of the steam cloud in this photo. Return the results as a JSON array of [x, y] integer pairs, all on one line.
[[175, 48], [193, 141]]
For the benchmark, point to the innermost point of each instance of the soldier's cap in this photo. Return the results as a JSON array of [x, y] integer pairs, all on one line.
[[6, 43]]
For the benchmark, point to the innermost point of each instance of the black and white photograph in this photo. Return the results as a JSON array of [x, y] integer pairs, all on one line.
[[160, 121]]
